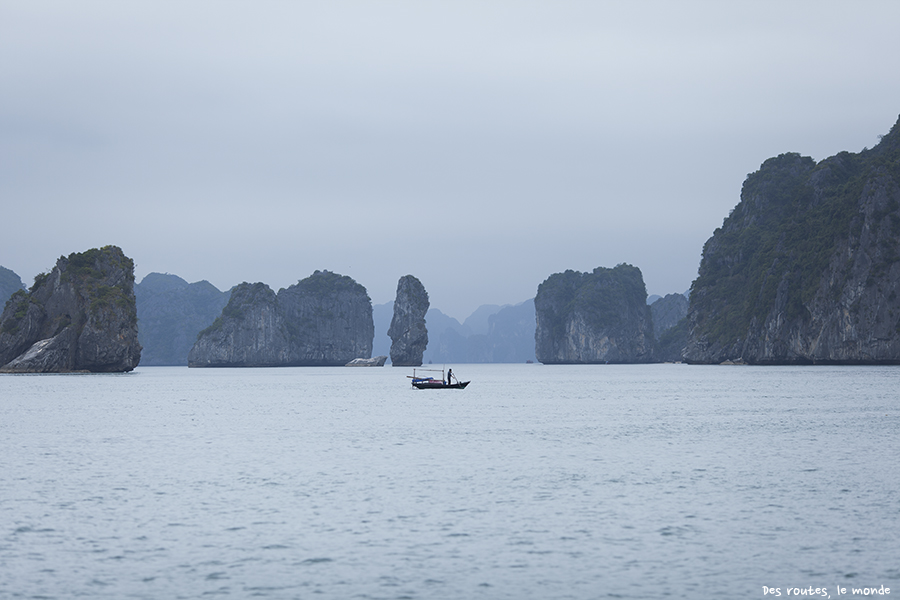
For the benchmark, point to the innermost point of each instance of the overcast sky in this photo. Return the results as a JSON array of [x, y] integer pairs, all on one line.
[[480, 146]]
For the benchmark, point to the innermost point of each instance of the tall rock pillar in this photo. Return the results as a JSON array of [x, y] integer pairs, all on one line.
[[408, 334]]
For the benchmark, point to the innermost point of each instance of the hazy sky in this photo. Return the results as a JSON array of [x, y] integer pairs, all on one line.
[[480, 146]]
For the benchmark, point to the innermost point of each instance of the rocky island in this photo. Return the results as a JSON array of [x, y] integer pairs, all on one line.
[[171, 312], [595, 317], [409, 336], [79, 317], [323, 320], [806, 269]]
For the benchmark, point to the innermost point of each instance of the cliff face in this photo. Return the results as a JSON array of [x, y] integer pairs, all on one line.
[[324, 320], [595, 317], [79, 317], [171, 312], [408, 333], [329, 318], [249, 333], [806, 269]]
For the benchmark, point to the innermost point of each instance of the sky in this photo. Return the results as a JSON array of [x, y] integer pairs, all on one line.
[[480, 146]]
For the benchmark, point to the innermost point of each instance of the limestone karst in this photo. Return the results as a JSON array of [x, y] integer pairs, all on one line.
[[806, 268], [595, 317], [408, 333], [323, 320], [80, 316]]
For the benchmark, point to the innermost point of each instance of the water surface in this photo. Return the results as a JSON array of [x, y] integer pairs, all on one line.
[[535, 482]]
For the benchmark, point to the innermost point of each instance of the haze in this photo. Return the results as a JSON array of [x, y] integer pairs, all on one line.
[[478, 146]]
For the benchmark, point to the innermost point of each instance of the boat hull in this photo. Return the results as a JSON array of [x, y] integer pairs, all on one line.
[[439, 385]]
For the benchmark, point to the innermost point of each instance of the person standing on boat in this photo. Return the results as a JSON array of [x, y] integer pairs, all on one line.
[[449, 375]]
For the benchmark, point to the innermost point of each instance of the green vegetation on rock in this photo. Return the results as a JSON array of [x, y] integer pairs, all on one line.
[[19, 301], [243, 297], [89, 272], [82, 312], [792, 246], [595, 317], [325, 283], [598, 296], [325, 319]]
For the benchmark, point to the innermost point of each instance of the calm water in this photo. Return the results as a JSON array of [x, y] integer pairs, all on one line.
[[535, 482]]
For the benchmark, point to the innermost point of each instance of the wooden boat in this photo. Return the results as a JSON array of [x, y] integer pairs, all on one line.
[[431, 383]]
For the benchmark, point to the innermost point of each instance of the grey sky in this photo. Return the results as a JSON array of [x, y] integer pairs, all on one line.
[[480, 146]]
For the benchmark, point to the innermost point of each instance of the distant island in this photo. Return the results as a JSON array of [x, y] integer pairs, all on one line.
[[805, 270], [171, 312]]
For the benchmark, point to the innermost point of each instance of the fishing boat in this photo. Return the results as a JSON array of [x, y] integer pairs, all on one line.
[[428, 382]]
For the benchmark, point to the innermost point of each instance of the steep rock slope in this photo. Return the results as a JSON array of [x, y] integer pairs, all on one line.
[[79, 317], [806, 269], [408, 333], [323, 320], [329, 319], [250, 332], [594, 317]]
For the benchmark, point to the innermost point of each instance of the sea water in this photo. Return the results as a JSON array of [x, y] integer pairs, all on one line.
[[534, 482]]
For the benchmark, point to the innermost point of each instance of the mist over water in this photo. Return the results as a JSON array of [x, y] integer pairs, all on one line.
[[535, 482]]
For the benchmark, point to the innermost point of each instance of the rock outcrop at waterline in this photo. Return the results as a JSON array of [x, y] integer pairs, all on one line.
[[595, 317], [323, 320], [375, 361], [806, 269], [409, 336], [79, 317]]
